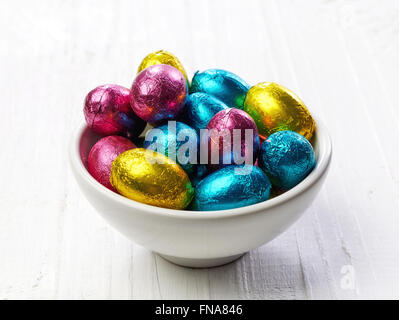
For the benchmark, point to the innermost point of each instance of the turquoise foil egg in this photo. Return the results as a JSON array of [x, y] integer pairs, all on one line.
[[200, 172], [231, 187], [287, 158], [178, 138], [224, 85], [199, 109]]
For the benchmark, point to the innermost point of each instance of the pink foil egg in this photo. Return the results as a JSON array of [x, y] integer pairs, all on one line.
[[227, 134], [107, 111], [102, 154], [158, 93]]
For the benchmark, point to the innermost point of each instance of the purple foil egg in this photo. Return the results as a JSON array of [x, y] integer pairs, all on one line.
[[102, 154], [107, 111], [158, 93], [233, 136]]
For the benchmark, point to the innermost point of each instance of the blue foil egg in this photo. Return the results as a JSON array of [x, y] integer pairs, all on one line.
[[175, 135], [200, 173], [224, 85], [287, 158], [231, 187], [199, 109]]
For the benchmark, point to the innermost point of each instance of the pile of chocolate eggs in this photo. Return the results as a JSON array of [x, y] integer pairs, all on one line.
[[215, 144]]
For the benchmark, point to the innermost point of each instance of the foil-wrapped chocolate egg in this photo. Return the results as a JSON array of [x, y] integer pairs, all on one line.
[[107, 111], [229, 188], [151, 178], [275, 108], [199, 109], [287, 158], [232, 139], [181, 139], [200, 173], [162, 57], [222, 84], [102, 154], [158, 93]]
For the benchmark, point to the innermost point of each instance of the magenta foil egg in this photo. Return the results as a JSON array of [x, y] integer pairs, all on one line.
[[158, 93], [102, 154], [234, 134], [107, 111]]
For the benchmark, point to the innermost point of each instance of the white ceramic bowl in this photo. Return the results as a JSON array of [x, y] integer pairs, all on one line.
[[193, 238]]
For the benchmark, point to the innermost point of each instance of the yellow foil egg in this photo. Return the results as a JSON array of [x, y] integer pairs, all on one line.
[[275, 108], [152, 178], [162, 57]]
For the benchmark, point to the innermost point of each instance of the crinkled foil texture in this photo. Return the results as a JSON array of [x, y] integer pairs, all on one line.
[[224, 189], [107, 111], [287, 158], [162, 57], [224, 85], [199, 109], [275, 108], [102, 154], [224, 123], [152, 178], [169, 140], [200, 173], [158, 93]]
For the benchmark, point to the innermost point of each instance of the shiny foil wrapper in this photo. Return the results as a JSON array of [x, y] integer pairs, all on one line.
[[287, 158], [169, 140], [199, 109], [158, 93], [162, 57], [225, 122], [200, 173], [225, 189], [224, 85], [102, 154], [151, 178], [107, 111], [275, 108]]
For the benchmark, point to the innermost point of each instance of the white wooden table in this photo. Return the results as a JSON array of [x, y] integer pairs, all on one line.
[[341, 57]]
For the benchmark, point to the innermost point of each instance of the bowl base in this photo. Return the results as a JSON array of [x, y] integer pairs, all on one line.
[[201, 263]]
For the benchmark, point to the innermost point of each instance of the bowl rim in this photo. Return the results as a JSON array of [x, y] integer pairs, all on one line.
[[324, 145]]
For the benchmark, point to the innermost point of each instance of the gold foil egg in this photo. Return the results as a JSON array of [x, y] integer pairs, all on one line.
[[162, 57], [275, 108], [152, 178]]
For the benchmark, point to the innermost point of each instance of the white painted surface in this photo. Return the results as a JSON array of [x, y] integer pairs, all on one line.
[[341, 57]]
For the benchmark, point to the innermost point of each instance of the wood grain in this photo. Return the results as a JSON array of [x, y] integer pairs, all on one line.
[[339, 56]]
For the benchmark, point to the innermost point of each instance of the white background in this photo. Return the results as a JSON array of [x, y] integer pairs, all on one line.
[[341, 57]]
